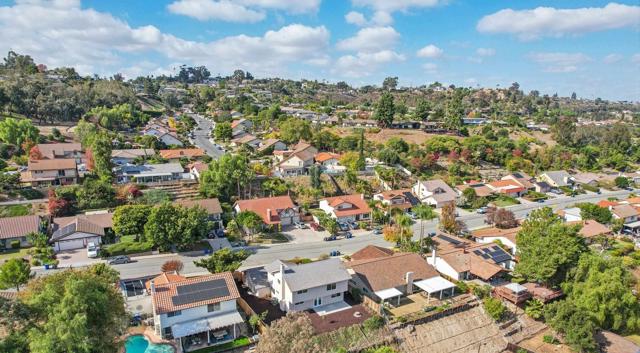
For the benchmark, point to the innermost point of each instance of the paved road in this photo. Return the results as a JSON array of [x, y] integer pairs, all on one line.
[[22, 202], [150, 265], [202, 136]]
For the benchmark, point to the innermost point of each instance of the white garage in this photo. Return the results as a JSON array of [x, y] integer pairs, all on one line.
[[76, 235]]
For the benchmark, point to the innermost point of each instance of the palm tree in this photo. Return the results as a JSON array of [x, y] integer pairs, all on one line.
[[424, 213], [403, 222]]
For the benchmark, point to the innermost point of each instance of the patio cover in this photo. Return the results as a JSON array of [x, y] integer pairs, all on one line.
[[434, 284], [516, 288], [196, 326], [388, 293], [633, 225]]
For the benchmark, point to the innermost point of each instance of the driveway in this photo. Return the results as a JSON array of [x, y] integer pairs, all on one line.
[[75, 258], [302, 236]]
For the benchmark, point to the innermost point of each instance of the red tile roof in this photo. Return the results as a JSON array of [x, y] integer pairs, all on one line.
[[164, 278], [183, 152], [358, 205], [607, 203], [325, 156], [163, 293], [268, 208]]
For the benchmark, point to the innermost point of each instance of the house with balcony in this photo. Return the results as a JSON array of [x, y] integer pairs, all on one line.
[[434, 192], [308, 286], [50, 172], [346, 208], [295, 162], [197, 312]]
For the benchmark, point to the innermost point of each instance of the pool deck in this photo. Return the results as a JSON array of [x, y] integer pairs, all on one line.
[[150, 335]]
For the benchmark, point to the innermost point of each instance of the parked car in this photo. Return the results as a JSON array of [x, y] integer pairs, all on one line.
[[482, 210], [118, 260], [335, 253], [353, 225], [377, 230], [330, 238], [343, 226], [348, 235], [92, 250], [300, 225], [541, 200]]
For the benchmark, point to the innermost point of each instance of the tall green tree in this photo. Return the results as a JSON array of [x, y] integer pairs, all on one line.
[[424, 213], [169, 225], [18, 131], [130, 220], [226, 177], [223, 260], [101, 156], [573, 323], [548, 248], [385, 110], [223, 131], [14, 273]]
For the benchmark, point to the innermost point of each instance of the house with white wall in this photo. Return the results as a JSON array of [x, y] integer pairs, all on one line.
[[307, 286], [346, 208], [434, 192]]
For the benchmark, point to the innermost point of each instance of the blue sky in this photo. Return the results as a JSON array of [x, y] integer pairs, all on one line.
[[590, 47]]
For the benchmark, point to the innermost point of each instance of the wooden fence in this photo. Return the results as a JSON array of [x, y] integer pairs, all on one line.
[[249, 311], [372, 305]]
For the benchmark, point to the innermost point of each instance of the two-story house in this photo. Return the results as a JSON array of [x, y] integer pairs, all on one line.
[[197, 312], [295, 162], [402, 199], [434, 192], [626, 212], [150, 173], [61, 150], [346, 208], [275, 211], [307, 286], [50, 172]]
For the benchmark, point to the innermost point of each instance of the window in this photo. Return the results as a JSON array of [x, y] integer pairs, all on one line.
[[301, 291], [335, 295], [174, 313], [331, 286], [213, 307], [364, 289], [167, 332]]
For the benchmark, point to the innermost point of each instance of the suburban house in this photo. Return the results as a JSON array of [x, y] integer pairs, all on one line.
[[307, 286], [70, 233], [197, 168], [176, 155], [557, 179], [14, 230], [256, 280], [246, 139], [381, 274], [295, 162], [197, 312], [275, 211], [572, 214], [170, 139], [590, 179], [240, 127], [127, 156], [403, 199], [270, 145], [523, 179], [346, 208], [327, 159], [212, 206], [462, 259], [434, 192], [491, 235], [480, 189], [163, 134], [507, 187], [50, 172], [150, 173], [626, 212], [60, 151], [163, 278], [591, 229]]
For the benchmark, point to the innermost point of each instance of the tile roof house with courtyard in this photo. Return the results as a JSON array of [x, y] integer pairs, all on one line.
[[70, 233], [557, 178], [197, 312], [17, 228], [176, 154], [346, 208], [380, 274], [49, 172], [403, 199], [275, 211], [462, 259], [307, 286], [434, 192]]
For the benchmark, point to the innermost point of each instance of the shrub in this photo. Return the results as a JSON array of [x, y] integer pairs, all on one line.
[[15, 244], [126, 248], [534, 308], [462, 287], [549, 339], [494, 308], [373, 323], [31, 194]]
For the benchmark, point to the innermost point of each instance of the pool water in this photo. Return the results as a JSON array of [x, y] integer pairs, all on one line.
[[139, 344]]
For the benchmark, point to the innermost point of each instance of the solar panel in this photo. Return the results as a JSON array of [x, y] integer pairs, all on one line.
[[477, 252], [450, 240], [501, 258], [496, 248], [201, 291], [486, 257]]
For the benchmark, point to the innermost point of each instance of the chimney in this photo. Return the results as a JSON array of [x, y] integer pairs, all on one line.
[[268, 214], [362, 196], [408, 278], [433, 257]]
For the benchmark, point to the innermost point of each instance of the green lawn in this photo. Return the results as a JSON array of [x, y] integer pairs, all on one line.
[[634, 338], [504, 202], [15, 210], [269, 238], [239, 342], [12, 254]]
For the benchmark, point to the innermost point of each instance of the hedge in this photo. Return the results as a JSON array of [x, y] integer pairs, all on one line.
[[126, 248]]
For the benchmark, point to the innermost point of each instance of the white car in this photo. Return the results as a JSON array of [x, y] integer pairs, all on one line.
[[92, 250]]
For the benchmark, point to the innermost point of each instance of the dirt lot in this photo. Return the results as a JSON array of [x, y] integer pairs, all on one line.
[[411, 136], [536, 344], [538, 135]]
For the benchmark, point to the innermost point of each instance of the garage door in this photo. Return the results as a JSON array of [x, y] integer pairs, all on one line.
[[70, 244]]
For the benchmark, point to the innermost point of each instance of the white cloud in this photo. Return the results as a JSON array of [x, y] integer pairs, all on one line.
[[356, 18], [549, 21], [397, 5], [559, 62], [238, 10], [372, 39], [97, 42], [430, 68], [379, 18], [612, 58], [204, 10], [430, 51], [365, 64], [486, 52]]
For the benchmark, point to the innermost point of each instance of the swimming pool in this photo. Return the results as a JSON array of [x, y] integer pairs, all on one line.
[[139, 344]]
